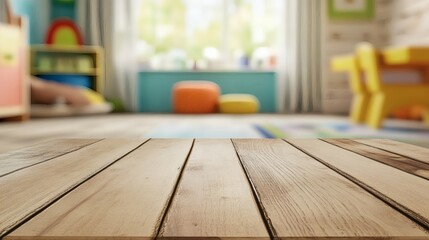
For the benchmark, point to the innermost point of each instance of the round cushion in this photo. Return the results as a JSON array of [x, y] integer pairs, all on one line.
[[195, 97], [238, 104]]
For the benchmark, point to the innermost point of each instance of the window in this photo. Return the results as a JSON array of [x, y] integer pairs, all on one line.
[[209, 34]]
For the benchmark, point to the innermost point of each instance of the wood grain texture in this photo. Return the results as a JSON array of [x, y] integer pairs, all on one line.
[[405, 164], [404, 149], [127, 200], [305, 199], [214, 198], [402, 190], [19, 159], [28, 191]]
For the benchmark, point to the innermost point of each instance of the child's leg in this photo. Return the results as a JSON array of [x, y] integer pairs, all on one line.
[[43, 92]]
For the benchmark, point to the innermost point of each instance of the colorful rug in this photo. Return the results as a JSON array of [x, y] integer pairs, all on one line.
[[204, 130], [418, 136], [291, 128]]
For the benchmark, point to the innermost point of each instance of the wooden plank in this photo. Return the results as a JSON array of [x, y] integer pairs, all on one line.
[[22, 158], [404, 149], [403, 191], [214, 198], [408, 165], [305, 199], [26, 192], [127, 200]]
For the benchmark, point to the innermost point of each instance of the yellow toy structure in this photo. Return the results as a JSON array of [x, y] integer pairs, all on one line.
[[426, 117], [361, 95], [374, 97]]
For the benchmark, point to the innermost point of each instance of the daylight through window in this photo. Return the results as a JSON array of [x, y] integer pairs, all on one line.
[[209, 34]]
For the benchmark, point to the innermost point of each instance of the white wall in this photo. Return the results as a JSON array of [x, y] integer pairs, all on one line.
[[408, 22], [38, 13], [339, 38]]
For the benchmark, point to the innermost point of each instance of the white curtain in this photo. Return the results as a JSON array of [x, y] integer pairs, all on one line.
[[2, 11], [111, 24], [300, 66]]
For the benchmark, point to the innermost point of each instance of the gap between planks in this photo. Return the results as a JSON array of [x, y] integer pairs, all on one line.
[[407, 212], [402, 149], [171, 199], [298, 194], [406, 164], [267, 221], [14, 161], [214, 199], [41, 206], [162, 219], [123, 185]]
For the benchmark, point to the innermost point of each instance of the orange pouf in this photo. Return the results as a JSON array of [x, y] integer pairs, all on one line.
[[194, 97]]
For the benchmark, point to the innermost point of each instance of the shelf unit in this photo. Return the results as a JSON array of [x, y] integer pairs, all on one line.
[[71, 55], [14, 74]]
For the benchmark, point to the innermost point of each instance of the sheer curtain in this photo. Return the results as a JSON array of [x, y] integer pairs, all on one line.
[[300, 65], [111, 24], [2, 11]]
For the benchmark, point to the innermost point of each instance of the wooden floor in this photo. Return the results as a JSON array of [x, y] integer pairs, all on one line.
[[17, 135], [215, 189]]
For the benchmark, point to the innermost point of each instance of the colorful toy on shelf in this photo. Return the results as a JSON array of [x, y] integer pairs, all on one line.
[[64, 64], [64, 32], [44, 64], [82, 66]]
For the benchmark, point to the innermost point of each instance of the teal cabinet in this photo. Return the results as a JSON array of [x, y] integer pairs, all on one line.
[[155, 88]]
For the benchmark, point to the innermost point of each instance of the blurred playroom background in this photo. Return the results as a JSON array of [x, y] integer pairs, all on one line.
[[213, 69]]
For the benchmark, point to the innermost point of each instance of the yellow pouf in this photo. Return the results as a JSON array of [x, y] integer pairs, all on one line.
[[238, 104], [426, 117]]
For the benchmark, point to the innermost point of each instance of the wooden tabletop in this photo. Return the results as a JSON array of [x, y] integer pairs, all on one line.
[[185, 188]]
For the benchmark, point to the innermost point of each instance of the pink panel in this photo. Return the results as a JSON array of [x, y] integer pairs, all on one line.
[[10, 84]]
